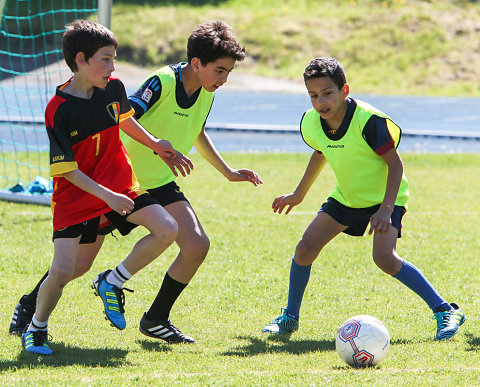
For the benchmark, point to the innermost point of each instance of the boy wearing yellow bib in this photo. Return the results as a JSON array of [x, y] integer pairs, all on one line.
[[173, 103], [360, 144]]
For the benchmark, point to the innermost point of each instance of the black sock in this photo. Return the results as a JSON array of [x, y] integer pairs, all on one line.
[[166, 297], [31, 298]]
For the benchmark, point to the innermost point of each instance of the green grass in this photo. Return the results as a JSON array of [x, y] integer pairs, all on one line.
[[243, 284], [22, 167], [387, 47]]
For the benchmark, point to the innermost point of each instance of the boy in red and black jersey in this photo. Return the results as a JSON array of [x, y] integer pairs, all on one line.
[[84, 135], [93, 177]]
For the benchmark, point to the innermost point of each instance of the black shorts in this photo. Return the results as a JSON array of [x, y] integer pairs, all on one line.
[[89, 229], [168, 194], [357, 219]]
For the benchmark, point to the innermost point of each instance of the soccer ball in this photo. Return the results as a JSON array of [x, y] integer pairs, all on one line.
[[362, 341]]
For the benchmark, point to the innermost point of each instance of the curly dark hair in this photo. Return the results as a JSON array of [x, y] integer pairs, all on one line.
[[85, 36], [326, 67], [213, 40]]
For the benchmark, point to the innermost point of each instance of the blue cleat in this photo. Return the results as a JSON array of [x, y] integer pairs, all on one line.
[[113, 300], [283, 324], [36, 342], [448, 322]]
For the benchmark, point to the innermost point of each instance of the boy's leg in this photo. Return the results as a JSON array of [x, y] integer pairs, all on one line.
[[61, 272], [449, 316], [108, 285], [194, 246], [191, 239], [87, 253], [25, 308], [163, 231], [321, 230]]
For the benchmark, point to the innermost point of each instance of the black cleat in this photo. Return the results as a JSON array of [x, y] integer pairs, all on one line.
[[22, 316], [163, 330]]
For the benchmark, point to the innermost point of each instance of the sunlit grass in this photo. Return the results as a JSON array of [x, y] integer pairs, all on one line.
[[243, 284]]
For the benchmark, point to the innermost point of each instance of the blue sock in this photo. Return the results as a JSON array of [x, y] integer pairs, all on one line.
[[299, 276], [413, 278]]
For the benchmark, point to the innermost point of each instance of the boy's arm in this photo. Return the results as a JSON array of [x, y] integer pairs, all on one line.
[[314, 167], [205, 147], [380, 221], [117, 202], [163, 148]]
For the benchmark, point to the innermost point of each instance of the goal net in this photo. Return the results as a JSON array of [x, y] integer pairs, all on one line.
[[31, 66]]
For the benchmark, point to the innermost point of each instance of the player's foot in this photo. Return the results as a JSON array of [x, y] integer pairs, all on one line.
[[163, 330], [113, 300], [36, 342], [283, 324], [22, 315], [448, 322]]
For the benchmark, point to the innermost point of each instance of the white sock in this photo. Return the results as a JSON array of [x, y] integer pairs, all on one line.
[[118, 276], [36, 325]]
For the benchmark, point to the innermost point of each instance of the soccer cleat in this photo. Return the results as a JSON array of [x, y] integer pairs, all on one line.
[[22, 315], [36, 342], [448, 322], [283, 324], [113, 300], [163, 330]]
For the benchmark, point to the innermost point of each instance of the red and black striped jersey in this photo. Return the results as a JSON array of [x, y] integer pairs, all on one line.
[[84, 135]]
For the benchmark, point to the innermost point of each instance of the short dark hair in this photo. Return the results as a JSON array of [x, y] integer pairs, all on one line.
[[85, 36], [213, 40], [326, 67]]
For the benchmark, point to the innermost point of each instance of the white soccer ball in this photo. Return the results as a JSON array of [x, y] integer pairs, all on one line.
[[362, 341]]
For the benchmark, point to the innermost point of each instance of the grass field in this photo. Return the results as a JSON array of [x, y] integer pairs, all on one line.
[[243, 284]]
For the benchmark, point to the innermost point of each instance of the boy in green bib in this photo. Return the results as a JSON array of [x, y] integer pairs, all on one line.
[[174, 103], [360, 144]]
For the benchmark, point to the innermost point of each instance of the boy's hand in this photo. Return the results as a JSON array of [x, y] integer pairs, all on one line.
[[119, 203], [244, 175], [380, 221], [173, 158], [290, 200]]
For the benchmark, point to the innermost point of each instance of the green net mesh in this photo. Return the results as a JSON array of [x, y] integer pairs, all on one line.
[[31, 66]]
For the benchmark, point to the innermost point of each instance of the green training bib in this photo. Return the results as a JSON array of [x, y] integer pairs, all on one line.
[[361, 174], [168, 121]]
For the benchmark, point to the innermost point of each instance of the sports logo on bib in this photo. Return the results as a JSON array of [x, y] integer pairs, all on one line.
[[114, 111], [147, 95]]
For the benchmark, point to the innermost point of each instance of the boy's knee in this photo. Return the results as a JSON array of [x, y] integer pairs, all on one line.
[[167, 230], [385, 261], [306, 252], [199, 247], [61, 275]]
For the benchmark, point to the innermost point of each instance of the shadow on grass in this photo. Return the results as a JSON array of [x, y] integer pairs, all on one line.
[[407, 342], [257, 346], [64, 355], [473, 342], [156, 346], [346, 367]]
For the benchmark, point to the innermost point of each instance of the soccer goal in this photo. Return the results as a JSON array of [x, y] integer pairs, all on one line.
[[31, 66]]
